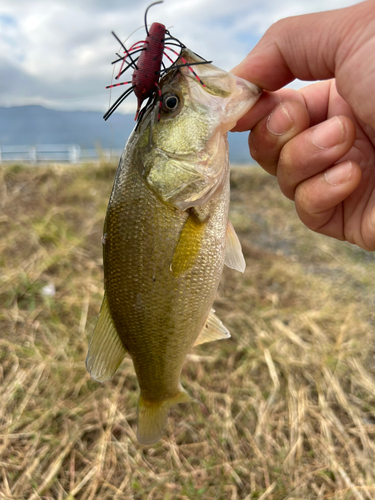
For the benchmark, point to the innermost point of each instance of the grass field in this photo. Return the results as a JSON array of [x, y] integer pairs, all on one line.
[[287, 405]]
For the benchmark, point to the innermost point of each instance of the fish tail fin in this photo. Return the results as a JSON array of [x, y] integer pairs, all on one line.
[[152, 416]]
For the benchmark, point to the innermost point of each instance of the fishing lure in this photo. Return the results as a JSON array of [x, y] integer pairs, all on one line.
[[147, 66]]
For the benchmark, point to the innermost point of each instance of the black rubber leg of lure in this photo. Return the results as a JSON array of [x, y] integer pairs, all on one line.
[[155, 3], [117, 103], [121, 58], [176, 66], [125, 49], [143, 110], [179, 44], [130, 65], [174, 44]]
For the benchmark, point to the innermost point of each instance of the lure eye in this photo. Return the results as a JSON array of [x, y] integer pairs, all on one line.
[[170, 102]]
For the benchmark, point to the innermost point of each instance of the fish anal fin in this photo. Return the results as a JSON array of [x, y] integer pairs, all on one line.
[[188, 245], [106, 350], [233, 252], [153, 416], [212, 330]]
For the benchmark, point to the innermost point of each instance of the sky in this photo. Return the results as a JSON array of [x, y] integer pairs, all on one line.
[[58, 53]]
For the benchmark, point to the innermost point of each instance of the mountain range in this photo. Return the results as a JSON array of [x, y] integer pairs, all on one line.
[[35, 125]]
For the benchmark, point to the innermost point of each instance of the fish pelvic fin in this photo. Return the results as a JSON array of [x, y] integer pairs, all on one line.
[[233, 252], [153, 416], [106, 350], [212, 330]]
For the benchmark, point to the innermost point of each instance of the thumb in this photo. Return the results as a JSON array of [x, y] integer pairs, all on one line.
[[308, 47]]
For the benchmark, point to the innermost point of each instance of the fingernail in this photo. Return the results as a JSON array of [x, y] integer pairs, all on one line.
[[339, 174], [279, 122], [328, 134]]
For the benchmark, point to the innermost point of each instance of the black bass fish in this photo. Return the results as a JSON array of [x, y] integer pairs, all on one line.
[[167, 237]]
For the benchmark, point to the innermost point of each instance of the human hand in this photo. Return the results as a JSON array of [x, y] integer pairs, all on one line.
[[320, 140]]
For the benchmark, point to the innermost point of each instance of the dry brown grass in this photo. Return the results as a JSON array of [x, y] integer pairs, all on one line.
[[287, 405]]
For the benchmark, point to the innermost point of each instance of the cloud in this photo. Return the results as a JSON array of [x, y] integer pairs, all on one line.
[[58, 53]]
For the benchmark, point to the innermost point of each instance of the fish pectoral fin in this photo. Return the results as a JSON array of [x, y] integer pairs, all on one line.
[[106, 350], [233, 252], [153, 416], [188, 245], [212, 330]]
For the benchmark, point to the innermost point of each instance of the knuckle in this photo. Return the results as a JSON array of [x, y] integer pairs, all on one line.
[[304, 205], [254, 152], [285, 173], [306, 201], [257, 153], [276, 27], [309, 208], [263, 145]]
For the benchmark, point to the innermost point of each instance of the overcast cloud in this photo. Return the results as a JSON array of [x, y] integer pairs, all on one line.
[[57, 53]]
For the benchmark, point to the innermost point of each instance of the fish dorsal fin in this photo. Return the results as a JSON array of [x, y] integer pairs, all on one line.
[[212, 330], [233, 252], [189, 245], [106, 350]]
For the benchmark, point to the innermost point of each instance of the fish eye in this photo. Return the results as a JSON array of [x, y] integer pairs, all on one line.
[[170, 102]]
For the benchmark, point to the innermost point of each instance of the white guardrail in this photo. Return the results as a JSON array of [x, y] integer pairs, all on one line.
[[69, 153]]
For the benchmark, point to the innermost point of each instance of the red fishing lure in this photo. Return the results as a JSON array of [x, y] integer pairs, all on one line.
[[147, 67]]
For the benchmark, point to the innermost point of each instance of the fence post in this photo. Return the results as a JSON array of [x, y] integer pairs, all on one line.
[[74, 153], [32, 154]]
